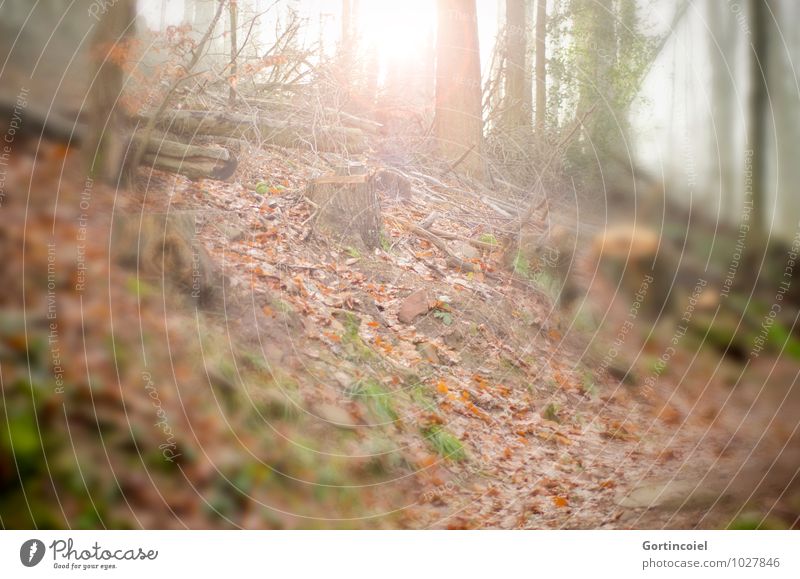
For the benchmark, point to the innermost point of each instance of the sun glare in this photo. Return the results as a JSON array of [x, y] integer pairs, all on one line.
[[400, 31]]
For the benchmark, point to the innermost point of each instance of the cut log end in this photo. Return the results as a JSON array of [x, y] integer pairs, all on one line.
[[192, 161]]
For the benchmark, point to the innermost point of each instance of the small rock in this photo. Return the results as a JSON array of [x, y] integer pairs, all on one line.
[[416, 304], [429, 352], [454, 339], [336, 415], [231, 232], [465, 250], [343, 379]]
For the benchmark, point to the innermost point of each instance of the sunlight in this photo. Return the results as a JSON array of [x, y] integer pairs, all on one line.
[[399, 32]]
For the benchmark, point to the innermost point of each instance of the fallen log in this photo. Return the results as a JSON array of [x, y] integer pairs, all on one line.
[[281, 133], [192, 161]]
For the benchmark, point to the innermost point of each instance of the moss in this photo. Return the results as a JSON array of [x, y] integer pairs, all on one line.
[[551, 412]]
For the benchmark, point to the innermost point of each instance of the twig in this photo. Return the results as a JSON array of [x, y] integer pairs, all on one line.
[[451, 259]]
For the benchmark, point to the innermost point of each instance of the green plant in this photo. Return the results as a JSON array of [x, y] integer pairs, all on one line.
[[283, 307], [588, 384], [551, 412], [444, 316], [352, 338], [386, 243], [444, 443], [377, 398], [520, 265], [139, 287], [488, 238], [781, 337]]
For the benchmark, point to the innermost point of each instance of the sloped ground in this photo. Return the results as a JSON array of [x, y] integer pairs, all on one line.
[[303, 401]]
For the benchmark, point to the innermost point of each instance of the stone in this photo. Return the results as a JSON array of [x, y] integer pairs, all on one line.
[[335, 415], [416, 304]]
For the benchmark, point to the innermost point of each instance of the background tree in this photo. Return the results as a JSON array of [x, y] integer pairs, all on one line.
[[458, 122], [233, 20], [516, 109], [106, 146], [721, 51], [758, 113], [541, 74]]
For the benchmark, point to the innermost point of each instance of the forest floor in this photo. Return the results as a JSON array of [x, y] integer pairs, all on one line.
[[541, 439], [489, 409]]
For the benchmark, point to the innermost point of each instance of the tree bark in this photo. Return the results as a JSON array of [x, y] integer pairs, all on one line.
[[348, 205], [758, 116], [192, 161], [233, 71], [721, 47], [515, 112], [458, 122], [541, 74], [279, 133], [106, 144]]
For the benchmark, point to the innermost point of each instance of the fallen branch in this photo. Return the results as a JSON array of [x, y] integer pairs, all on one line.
[[280, 133], [452, 259]]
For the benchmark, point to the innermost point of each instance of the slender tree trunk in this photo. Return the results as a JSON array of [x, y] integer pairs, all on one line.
[[234, 71], [515, 113], [541, 74], [188, 12], [346, 24], [203, 16], [458, 121], [721, 48], [345, 56], [758, 116], [162, 25]]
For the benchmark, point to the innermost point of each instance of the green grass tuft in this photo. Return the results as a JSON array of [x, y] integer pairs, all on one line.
[[551, 412], [377, 398], [444, 443]]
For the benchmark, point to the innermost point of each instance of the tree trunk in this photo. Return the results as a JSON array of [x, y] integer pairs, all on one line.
[[188, 12], [346, 24], [348, 205], [758, 116], [721, 47], [541, 74], [233, 72], [106, 144], [279, 133], [458, 122], [162, 24], [192, 161], [204, 12], [515, 113]]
